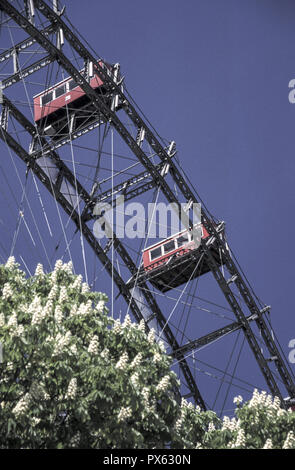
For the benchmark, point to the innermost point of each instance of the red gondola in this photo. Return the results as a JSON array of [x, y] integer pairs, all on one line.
[[168, 263], [57, 110], [177, 245]]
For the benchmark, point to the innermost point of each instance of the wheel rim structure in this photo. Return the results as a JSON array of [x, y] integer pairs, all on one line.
[[41, 49]]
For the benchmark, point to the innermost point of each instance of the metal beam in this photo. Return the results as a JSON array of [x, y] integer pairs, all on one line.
[[21, 46], [24, 72], [209, 338], [129, 189]]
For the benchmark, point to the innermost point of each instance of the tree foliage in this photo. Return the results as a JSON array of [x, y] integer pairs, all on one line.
[[73, 377]]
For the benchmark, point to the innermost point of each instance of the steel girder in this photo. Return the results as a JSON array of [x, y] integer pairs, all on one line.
[[209, 338], [21, 46], [16, 77]]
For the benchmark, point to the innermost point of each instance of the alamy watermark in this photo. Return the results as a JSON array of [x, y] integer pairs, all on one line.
[[291, 95], [291, 356], [153, 220]]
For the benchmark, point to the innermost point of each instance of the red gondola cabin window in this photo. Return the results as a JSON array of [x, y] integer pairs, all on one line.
[[177, 245]]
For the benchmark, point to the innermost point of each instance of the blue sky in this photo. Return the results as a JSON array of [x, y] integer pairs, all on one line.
[[213, 76]]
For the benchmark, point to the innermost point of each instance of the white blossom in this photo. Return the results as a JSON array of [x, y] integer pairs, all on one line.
[[146, 394], [162, 346], [19, 331], [10, 263], [268, 401], [290, 441], [237, 400], [68, 267], [117, 326], [73, 350], [39, 270], [58, 314], [123, 361], [77, 283], [2, 319], [7, 291], [178, 424], [141, 325], [85, 309], [22, 406], [163, 384], [85, 288], [88, 307], [137, 360], [48, 308], [75, 440], [61, 342], [127, 322], [151, 336], [268, 444], [58, 265], [157, 358], [211, 427], [277, 403], [184, 403], [12, 322], [35, 421], [100, 306], [263, 400], [35, 304], [74, 310], [72, 389], [63, 295], [134, 379], [241, 439], [124, 413], [256, 399], [47, 397], [93, 345], [38, 312], [37, 316], [81, 309], [231, 424], [53, 292], [105, 353]]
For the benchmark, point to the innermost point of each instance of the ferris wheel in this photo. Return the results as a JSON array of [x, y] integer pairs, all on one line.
[[78, 154]]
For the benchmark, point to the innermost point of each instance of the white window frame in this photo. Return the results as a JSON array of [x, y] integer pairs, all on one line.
[[42, 96], [172, 240], [189, 239], [155, 248], [66, 91]]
